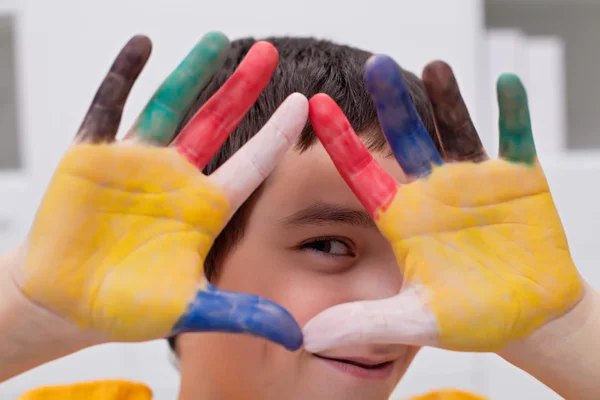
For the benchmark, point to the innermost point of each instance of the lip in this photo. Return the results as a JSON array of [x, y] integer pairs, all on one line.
[[368, 370]]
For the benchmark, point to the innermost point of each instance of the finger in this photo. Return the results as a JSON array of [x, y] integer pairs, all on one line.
[[458, 135], [215, 310], [251, 164], [516, 136], [397, 320], [410, 142], [200, 139], [160, 118], [103, 118], [373, 186]]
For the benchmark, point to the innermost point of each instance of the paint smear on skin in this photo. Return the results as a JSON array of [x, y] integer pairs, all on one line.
[[119, 244], [161, 117], [122, 234], [479, 248], [373, 186], [103, 118], [218, 310], [410, 142], [200, 139], [516, 135], [459, 140]]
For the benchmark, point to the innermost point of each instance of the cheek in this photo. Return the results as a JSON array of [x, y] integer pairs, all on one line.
[[314, 294], [254, 266], [302, 292], [276, 274]]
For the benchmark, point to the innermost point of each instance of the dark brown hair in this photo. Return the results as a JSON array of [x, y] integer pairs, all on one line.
[[308, 66]]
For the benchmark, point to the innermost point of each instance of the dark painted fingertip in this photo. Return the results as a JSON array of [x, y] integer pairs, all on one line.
[[103, 118], [216, 310], [457, 133], [409, 139]]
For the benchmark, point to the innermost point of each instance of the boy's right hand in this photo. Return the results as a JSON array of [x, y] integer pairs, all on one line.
[[118, 245]]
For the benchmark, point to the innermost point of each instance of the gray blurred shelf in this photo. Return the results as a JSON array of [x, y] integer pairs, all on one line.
[[10, 154], [576, 23]]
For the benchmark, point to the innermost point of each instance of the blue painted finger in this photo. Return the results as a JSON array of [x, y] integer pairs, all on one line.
[[410, 142], [216, 310]]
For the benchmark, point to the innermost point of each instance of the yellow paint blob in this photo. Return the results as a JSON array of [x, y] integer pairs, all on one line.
[[448, 395], [487, 244], [120, 239], [103, 390]]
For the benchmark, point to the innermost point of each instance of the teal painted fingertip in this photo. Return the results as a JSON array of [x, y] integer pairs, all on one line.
[[516, 136], [165, 110]]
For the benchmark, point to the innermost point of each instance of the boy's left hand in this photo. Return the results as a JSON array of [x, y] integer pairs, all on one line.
[[481, 248]]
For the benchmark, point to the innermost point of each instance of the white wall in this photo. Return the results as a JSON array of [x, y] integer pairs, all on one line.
[[9, 154]]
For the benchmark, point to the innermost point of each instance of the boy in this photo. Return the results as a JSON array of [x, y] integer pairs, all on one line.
[[303, 240]]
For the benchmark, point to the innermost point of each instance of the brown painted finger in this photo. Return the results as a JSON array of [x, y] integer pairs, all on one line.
[[102, 120], [458, 135]]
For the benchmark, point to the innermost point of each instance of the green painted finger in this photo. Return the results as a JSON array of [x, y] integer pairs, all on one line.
[[516, 136], [165, 110]]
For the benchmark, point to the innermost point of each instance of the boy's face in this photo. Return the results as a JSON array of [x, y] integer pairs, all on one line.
[[308, 245]]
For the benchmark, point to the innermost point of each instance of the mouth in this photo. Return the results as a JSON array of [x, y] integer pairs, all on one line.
[[360, 368]]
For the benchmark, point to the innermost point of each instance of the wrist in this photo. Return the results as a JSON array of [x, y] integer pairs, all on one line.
[[564, 354], [29, 334]]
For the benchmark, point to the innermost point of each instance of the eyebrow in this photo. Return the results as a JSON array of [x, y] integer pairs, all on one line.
[[326, 214]]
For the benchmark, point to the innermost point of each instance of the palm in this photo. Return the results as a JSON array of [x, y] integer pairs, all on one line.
[[482, 251], [118, 244], [493, 260], [143, 224]]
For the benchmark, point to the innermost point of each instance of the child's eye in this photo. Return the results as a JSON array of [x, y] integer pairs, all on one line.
[[332, 247]]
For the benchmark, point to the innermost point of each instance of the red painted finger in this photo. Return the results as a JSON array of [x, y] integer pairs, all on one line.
[[373, 186], [207, 130]]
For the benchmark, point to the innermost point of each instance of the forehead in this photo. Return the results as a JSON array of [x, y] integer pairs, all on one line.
[[311, 177]]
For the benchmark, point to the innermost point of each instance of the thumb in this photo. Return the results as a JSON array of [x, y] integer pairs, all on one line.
[[402, 319], [216, 310]]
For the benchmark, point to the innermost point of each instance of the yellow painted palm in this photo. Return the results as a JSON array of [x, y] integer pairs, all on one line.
[[118, 245], [481, 248]]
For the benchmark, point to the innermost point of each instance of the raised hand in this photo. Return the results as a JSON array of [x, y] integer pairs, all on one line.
[[481, 248], [118, 244]]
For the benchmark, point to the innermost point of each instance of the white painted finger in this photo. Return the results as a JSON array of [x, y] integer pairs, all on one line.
[[402, 319], [251, 164]]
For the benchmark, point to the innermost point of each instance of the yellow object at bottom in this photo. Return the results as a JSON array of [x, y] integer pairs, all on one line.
[[122, 390], [448, 395], [102, 390]]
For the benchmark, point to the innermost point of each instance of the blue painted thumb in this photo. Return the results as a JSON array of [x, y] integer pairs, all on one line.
[[215, 310]]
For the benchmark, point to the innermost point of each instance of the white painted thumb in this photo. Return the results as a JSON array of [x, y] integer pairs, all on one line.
[[250, 165], [402, 319]]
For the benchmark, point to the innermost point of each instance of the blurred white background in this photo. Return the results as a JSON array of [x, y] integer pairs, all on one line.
[[53, 54]]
